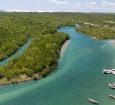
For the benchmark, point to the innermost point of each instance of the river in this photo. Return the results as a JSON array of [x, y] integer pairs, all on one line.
[[77, 77], [17, 53]]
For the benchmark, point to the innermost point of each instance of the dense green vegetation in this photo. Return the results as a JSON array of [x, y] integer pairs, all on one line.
[[99, 32], [100, 26], [42, 55]]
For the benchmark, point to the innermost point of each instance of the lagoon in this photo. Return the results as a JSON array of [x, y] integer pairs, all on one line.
[[77, 76]]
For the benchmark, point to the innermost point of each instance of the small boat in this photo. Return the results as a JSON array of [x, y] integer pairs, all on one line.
[[107, 71], [112, 85], [113, 69], [113, 72], [93, 101], [112, 96]]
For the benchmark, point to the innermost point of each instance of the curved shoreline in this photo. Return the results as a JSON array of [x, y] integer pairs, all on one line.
[[64, 46], [13, 52], [24, 78], [16, 52]]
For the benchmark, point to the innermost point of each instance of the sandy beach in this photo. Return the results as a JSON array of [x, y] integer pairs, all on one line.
[[64, 47]]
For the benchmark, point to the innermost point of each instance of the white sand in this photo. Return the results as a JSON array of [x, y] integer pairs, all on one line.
[[111, 43], [64, 47]]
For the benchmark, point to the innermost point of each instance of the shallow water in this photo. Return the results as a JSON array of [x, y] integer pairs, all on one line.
[[18, 53], [77, 77]]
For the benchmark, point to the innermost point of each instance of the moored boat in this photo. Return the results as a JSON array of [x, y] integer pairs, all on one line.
[[93, 101], [107, 71], [112, 85], [113, 71], [112, 96]]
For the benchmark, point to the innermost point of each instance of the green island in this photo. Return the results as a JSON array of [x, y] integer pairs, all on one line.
[[41, 57]]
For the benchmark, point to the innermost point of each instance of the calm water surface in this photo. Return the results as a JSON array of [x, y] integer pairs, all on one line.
[[17, 54], [77, 77]]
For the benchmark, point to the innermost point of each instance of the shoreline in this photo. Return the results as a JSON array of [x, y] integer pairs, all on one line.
[[35, 77], [15, 50], [64, 47]]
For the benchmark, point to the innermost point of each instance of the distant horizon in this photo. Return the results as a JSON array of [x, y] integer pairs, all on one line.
[[85, 6], [51, 12], [18, 11]]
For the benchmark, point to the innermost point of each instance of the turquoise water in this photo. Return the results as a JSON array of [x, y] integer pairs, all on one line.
[[77, 77], [18, 53]]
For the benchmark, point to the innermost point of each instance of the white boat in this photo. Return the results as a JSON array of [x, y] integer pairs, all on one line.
[[107, 71], [113, 72], [112, 96], [112, 85], [113, 69], [93, 101]]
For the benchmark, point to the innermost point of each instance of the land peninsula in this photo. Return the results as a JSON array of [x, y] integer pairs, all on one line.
[[41, 56]]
